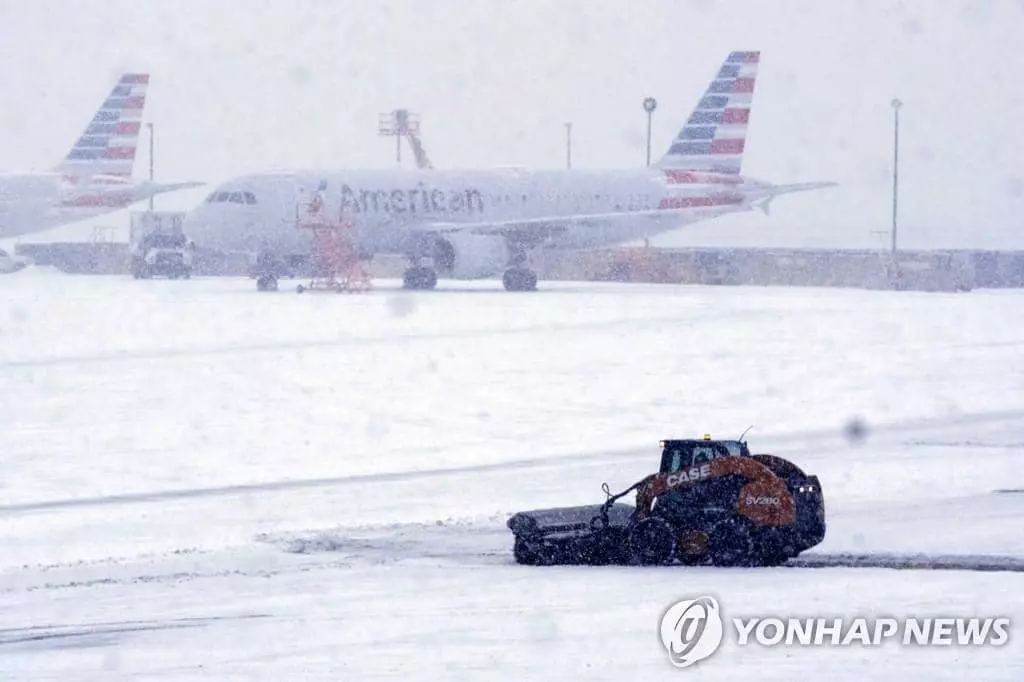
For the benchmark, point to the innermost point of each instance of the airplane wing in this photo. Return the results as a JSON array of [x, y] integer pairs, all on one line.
[[773, 191], [161, 187], [143, 189], [543, 224]]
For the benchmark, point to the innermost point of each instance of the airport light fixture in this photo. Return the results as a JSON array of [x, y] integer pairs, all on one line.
[[397, 124], [650, 104], [568, 145], [149, 126], [896, 104]]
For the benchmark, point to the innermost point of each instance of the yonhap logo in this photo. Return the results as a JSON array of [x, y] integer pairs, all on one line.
[[691, 630]]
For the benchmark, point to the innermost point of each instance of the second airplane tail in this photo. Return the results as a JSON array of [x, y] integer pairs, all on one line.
[[107, 145], [713, 138]]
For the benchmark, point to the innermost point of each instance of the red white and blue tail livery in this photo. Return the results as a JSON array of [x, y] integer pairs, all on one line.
[[95, 177], [714, 136], [108, 145]]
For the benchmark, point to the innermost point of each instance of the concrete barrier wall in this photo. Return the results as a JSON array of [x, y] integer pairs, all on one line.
[[82, 258], [916, 270], [912, 270]]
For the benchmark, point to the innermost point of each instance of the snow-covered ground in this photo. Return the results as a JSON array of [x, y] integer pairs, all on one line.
[[200, 481]]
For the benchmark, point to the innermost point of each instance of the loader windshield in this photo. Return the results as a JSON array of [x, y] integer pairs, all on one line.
[[735, 448], [682, 454]]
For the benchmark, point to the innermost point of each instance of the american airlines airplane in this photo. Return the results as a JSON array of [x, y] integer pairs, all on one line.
[[96, 176], [473, 224]]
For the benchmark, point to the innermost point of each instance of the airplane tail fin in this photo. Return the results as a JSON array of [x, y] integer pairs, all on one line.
[[107, 145], [713, 138]]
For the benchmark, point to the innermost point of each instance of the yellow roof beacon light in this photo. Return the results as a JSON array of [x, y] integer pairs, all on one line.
[[707, 436]]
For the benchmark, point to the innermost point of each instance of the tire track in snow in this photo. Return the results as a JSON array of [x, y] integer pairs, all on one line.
[[98, 634], [350, 341], [534, 463]]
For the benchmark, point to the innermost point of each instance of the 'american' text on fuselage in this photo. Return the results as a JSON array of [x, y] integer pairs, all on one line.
[[420, 199]]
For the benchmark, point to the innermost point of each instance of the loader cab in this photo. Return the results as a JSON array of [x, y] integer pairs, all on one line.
[[677, 454], [710, 499]]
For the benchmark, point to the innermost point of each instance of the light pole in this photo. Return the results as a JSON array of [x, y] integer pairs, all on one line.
[[896, 104], [568, 145], [650, 104], [150, 127]]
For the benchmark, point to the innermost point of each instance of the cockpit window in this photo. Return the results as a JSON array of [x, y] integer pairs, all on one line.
[[232, 197]]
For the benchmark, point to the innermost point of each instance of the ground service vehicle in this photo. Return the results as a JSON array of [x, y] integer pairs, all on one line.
[[162, 255], [9, 263], [711, 503]]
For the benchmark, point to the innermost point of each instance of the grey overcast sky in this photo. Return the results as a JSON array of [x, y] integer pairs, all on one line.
[[246, 86]]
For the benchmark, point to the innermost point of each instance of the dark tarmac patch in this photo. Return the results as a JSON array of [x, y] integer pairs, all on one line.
[[925, 562]]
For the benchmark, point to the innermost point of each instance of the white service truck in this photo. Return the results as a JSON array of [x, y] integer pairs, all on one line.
[[158, 245], [10, 263]]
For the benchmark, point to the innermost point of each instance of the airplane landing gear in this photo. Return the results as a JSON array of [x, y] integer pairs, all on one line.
[[420, 278], [519, 279], [265, 270]]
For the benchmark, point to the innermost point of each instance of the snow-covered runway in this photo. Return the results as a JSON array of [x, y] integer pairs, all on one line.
[[199, 480]]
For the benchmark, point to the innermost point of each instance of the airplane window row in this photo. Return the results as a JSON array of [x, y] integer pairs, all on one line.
[[232, 197], [250, 198]]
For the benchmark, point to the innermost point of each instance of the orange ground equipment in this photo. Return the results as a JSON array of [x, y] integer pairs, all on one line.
[[334, 259], [712, 502]]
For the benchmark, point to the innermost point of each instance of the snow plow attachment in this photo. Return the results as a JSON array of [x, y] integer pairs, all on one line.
[[572, 535], [713, 503]]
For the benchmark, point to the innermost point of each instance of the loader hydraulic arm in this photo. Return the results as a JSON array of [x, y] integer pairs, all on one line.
[[612, 499]]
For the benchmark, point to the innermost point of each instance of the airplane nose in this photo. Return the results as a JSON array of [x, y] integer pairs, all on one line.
[[188, 223], [195, 225]]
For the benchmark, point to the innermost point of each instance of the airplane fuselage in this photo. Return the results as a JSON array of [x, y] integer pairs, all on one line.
[[477, 223], [389, 210], [30, 202]]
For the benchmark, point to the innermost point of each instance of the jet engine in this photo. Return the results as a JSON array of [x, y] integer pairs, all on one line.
[[470, 256]]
